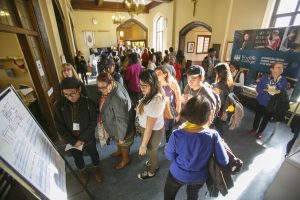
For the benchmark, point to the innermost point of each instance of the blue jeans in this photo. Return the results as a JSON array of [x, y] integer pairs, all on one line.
[[172, 186]]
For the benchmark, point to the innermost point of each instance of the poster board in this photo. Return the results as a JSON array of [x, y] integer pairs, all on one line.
[[26, 153], [257, 49]]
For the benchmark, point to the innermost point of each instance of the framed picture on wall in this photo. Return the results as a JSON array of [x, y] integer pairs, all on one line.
[[202, 43], [228, 51], [190, 47]]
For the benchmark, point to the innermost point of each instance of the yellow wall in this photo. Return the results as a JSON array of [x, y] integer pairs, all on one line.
[[12, 49], [134, 32], [192, 37], [104, 32]]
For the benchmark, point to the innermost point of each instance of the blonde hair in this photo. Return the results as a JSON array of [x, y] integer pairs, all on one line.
[[68, 66]]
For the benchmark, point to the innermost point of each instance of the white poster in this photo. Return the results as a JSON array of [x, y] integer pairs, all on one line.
[[40, 67], [27, 150], [89, 39]]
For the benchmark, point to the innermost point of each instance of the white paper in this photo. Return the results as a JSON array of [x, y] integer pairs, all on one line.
[[68, 147], [40, 67], [27, 150]]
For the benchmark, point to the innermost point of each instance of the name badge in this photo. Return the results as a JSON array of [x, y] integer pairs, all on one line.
[[76, 127]]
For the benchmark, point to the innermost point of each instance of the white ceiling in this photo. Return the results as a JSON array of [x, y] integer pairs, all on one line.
[[121, 1]]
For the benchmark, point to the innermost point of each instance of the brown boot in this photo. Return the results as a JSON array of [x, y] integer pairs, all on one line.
[[117, 153], [125, 158], [97, 173], [83, 176]]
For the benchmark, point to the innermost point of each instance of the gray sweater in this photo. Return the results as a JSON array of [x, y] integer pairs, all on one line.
[[115, 112]]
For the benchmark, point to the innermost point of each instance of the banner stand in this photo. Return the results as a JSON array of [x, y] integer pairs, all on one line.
[[19, 176]]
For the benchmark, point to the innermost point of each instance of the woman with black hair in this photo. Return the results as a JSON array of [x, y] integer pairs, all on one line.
[[190, 148], [151, 120], [238, 77], [222, 86]]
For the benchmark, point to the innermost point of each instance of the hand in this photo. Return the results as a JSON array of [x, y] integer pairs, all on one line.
[[78, 143], [184, 98], [142, 150], [121, 141], [177, 118]]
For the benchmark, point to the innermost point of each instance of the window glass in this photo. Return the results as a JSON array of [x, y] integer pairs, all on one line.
[[287, 6], [297, 20], [282, 21]]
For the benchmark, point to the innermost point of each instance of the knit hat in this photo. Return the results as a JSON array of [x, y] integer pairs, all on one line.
[[196, 70], [70, 83]]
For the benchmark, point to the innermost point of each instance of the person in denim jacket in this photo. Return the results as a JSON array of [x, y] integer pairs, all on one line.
[[267, 87]]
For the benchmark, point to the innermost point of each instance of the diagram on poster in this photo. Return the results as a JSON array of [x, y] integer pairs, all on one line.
[[25, 148]]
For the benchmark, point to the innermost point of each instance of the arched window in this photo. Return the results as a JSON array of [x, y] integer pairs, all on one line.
[[159, 34], [286, 13]]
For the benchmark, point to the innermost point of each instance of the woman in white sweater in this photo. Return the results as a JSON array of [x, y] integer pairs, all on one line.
[[151, 121]]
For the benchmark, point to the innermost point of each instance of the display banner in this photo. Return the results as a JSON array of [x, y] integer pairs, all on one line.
[[27, 152], [257, 49]]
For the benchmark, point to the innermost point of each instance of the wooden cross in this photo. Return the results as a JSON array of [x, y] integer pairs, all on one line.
[[195, 3]]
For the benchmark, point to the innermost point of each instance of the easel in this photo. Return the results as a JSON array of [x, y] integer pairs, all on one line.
[[8, 165]]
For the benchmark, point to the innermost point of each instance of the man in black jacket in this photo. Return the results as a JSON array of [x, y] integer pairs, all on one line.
[[76, 118]]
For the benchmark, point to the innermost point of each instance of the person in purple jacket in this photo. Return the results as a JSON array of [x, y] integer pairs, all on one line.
[[190, 148], [267, 87]]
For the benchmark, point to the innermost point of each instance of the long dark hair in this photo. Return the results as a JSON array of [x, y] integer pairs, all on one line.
[[149, 77], [224, 75]]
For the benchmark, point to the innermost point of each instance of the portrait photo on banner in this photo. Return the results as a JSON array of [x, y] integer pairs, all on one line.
[[89, 38]]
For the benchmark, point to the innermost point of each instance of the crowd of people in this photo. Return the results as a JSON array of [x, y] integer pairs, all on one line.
[[155, 97]]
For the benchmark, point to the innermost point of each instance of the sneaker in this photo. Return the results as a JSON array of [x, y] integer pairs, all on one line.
[[147, 164], [258, 135], [145, 175]]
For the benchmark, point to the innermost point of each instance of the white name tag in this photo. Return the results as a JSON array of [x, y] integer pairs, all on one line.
[[76, 127]]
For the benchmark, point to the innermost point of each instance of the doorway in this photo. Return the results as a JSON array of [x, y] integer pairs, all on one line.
[[132, 33]]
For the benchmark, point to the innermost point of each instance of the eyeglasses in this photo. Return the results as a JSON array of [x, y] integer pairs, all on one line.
[[144, 86], [72, 94], [103, 88]]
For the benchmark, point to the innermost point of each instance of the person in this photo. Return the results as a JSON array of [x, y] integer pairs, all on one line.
[[246, 43], [151, 62], [145, 58], [176, 66], [81, 66], [209, 62], [109, 67], [117, 61], [172, 96], [76, 119], [273, 40], [168, 66], [93, 62], [69, 71], [267, 87], [190, 148], [289, 42], [151, 123], [172, 52], [238, 77], [114, 108], [222, 86], [166, 52], [132, 77]]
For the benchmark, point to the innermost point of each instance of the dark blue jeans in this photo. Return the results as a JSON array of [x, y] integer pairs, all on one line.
[[172, 186], [91, 150], [292, 141]]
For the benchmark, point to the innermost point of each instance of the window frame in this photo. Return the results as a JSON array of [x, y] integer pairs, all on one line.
[[159, 32], [276, 16]]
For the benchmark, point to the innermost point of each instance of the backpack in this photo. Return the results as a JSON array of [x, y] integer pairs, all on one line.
[[233, 111]]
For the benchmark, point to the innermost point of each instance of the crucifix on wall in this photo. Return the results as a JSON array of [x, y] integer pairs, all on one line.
[[195, 4]]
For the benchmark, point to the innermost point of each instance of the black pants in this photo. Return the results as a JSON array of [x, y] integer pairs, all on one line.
[[84, 77], [261, 119], [169, 126], [172, 186], [91, 150]]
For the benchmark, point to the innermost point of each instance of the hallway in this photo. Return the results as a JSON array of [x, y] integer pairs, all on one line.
[[262, 160]]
